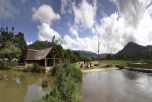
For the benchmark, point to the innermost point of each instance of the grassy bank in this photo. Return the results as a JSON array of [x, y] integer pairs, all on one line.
[[34, 69], [112, 63], [66, 86], [125, 63], [108, 63], [115, 62]]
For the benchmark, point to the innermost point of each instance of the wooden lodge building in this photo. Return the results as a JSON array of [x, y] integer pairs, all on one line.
[[45, 57]]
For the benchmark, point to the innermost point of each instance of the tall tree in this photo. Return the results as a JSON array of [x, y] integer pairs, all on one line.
[[10, 51], [6, 35], [21, 43], [12, 45]]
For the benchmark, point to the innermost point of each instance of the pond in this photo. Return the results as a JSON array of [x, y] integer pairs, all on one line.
[[22, 87], [116, 86]]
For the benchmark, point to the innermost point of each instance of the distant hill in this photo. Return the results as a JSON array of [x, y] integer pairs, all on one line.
[[134, 51], [93, 55], [38, 45]]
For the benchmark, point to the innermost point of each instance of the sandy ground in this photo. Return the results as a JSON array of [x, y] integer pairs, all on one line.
[[97, 69]]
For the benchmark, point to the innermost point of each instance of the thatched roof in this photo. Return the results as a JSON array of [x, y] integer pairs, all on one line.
[[37, 54]]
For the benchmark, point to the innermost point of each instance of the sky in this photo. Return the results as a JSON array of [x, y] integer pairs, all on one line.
[[79, 23]]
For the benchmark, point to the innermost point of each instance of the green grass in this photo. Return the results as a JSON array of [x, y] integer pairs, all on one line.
[[104, 63], [125, 63], [114, 62]]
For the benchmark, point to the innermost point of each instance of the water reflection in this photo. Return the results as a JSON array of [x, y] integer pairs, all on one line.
[[130, 76], [34, 92], [22, 87], [116, 86]]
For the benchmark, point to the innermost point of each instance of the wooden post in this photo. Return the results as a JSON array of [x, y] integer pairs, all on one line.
[[60, 61], [54, 61], [45, 62]]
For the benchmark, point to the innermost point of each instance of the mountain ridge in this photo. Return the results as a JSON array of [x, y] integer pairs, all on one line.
[[93, 55], [134, 51]]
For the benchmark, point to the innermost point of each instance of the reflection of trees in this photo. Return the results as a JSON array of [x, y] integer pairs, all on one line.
[[129, 75], [10, 91]]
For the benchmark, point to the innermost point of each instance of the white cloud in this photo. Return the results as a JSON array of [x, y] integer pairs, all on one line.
[[45, 14], [66, 6], [86, 43], [113, 33], [85, 13], [69, 42], [132, 22], [132, 10], [117, 30], [29, 42], [73, 31], [7, 10], [47, 33]]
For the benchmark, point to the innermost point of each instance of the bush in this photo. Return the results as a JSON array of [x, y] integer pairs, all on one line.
[[55, 69], [4, 67], [44, 83], [18, 68], [7, 65], [66, 87], [35, 68]]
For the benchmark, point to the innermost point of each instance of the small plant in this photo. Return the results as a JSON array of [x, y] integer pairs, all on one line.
[[45, 83]]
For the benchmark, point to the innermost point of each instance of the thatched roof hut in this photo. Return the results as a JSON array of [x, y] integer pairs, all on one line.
[[45, 57]]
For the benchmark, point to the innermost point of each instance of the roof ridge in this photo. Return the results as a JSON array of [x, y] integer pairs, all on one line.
[[45, 48], [33, 49], [41, 49]]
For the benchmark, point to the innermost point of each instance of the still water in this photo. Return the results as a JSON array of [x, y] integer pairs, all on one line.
[[22, 87], [116, 86]]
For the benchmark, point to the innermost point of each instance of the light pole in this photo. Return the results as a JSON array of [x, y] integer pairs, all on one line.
[[98, 49]]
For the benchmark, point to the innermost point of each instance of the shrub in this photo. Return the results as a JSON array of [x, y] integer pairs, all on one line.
[[4, 66], [66, 87], [35, 68], [18, 68], [55, 69]]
